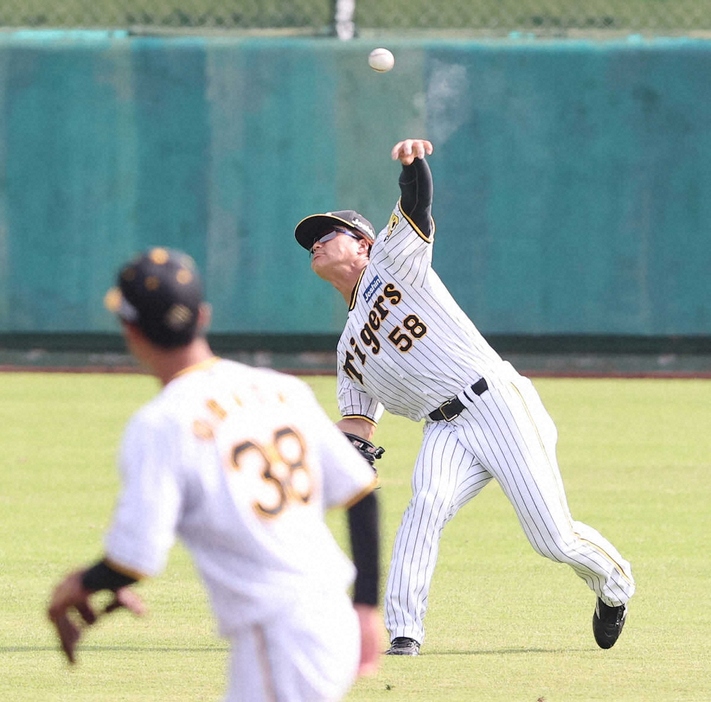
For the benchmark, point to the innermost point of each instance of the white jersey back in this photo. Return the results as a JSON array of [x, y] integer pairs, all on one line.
[[241, 463], [407, 344]]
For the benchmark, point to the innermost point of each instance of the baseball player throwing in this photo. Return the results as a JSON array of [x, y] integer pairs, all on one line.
[[240, 463], [408, 348]]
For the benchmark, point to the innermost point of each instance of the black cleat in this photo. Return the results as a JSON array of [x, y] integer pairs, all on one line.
[[403, 646], [607, 623]]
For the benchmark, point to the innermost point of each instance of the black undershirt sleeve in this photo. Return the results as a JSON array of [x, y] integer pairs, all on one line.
[[416, 190], [102, 576], [364, 526]]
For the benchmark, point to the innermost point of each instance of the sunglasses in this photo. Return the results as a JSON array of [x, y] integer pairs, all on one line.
[[332, 235]]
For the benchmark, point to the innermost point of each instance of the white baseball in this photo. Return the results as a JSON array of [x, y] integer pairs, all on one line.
[[381, 60]]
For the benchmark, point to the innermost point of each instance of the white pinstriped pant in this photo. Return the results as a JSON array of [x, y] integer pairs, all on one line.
[[505, 434]]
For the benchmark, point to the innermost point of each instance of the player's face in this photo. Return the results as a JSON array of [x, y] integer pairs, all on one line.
[[331, 234], [335, 246]]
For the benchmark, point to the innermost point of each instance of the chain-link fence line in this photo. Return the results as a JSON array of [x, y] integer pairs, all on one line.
[[656, 17]]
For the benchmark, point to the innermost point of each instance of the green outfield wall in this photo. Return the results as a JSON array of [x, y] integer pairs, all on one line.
[[572, 178]]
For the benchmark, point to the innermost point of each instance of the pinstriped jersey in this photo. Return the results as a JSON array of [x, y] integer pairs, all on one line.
[[407, 345]]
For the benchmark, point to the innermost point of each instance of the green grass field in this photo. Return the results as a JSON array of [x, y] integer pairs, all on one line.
[[504, 624]]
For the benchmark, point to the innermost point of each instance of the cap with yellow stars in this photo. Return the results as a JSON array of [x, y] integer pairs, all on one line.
[[160, 292]]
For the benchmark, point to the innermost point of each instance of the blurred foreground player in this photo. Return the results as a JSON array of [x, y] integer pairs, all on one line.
[[240, 464]]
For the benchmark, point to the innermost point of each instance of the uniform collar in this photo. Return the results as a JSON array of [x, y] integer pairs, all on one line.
[[202, 365], [354, 294]]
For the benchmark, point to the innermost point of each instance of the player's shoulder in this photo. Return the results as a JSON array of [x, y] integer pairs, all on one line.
[[270, 376], [177, 402], [150, 418], [268, 380]]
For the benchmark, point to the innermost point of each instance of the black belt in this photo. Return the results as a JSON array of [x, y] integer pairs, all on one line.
[[453, 408]]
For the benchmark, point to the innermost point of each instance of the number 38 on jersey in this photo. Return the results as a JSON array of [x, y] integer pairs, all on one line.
[[276, 471]]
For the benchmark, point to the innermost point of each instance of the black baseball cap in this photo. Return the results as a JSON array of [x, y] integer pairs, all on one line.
[[313, 227], [160, 292]]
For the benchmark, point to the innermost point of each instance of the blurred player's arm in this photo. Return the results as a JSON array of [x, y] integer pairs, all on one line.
[[105, 575], [74, 594], [364, 527]]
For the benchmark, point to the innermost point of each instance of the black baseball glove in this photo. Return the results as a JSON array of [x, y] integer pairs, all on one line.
[[366, 448]]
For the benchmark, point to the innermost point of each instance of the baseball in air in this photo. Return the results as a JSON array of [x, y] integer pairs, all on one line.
[[381, 60]]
